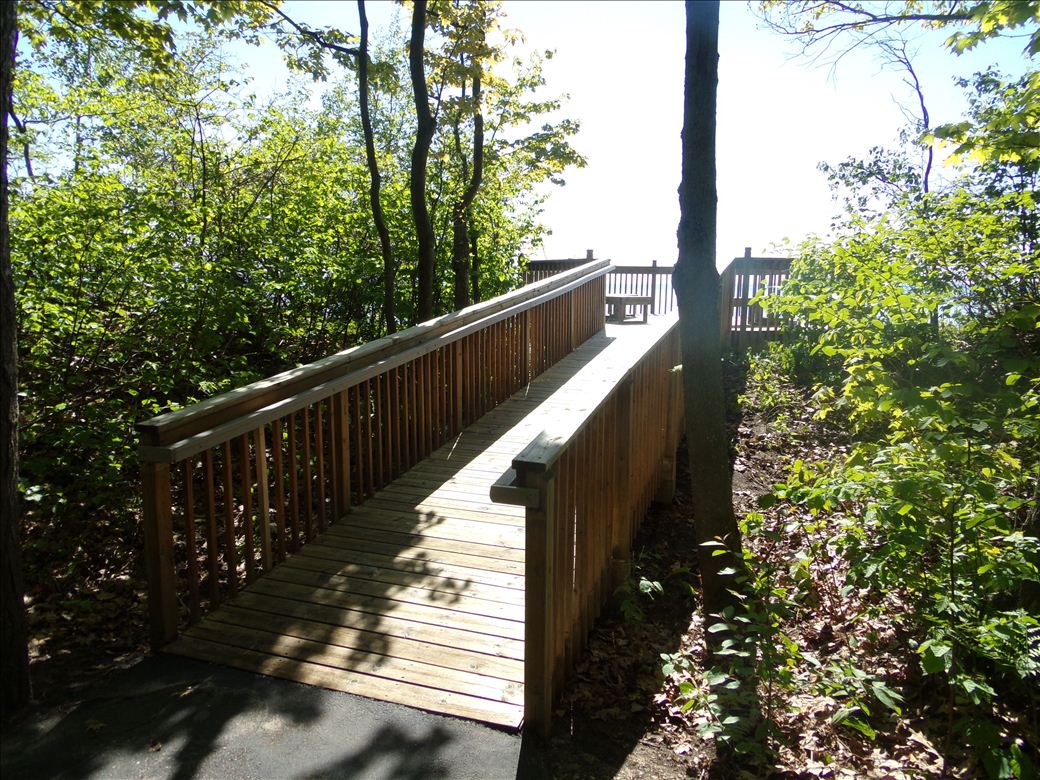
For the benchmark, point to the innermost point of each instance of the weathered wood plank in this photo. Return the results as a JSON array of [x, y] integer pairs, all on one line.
[[385, 666], [481, 562], [502, 647], [285, 586], [417, 541], [448, 587], [459, 601], [484, 710]]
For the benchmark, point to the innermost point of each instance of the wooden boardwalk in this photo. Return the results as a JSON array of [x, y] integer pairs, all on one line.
[[417, 596]]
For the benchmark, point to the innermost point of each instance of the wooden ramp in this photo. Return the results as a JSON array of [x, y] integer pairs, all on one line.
[[417, 596]]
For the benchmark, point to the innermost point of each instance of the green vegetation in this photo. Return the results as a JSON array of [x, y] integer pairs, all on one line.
[[174, 236], [917, 328]]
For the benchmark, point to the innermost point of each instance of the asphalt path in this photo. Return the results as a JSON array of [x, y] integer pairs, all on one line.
[[170, 717]]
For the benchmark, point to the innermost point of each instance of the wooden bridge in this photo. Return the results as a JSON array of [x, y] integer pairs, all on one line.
[[435, 518]]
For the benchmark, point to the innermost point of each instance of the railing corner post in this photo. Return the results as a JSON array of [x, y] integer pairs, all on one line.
[[158, 552], [538, 604], [653, 288]]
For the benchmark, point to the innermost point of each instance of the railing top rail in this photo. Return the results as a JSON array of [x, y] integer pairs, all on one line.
[[544, 450], [575, 261], [645, 269], [749, 264], [242, 402], [534, 265]]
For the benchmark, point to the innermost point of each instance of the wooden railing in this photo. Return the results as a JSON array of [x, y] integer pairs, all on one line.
[[652, 281], [237, 482], [586, 483], [742, 323]]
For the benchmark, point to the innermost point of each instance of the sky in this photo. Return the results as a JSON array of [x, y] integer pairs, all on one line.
[[779, 116]]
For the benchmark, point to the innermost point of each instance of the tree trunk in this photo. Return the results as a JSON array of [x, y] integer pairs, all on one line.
[[425, 126], [697, 290], [389, 266], [460, 248], [14, 649], [474, 265]]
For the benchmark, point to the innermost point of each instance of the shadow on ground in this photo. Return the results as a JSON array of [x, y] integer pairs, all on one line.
[[175, 718]]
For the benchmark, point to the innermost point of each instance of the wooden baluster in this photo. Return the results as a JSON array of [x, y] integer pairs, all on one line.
[[377, 423], [359, 452], [230, 541], [366, 414], [263, 508], [388, 423], [308, 482], [422, 400], [249, 552], [406, 415], [491, 347], [564, 554], [279, 489], [395, 426], [191, 551], [335, 485], [582, 541], [429, 396], [622, 482], [570, 463], [436, 394], [343, 435], [319, 451], [458, 388], [444, 392], [526, 348], [294, 486], [212, 564]]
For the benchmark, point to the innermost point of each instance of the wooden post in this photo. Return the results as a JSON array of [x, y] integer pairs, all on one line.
[[653, 287], [158, 553], [539, 606], [725, 304]]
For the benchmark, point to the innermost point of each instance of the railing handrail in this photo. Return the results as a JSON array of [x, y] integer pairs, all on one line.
[[191, 429], [748, 264], [545, 449], [652, 267], [637, 269]]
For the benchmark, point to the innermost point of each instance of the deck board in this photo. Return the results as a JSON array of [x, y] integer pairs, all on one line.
[[416, 596]]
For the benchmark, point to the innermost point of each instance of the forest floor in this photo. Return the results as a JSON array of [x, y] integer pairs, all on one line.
[[620, 717]]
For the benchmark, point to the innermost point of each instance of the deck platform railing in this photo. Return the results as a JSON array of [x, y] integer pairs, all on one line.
[[742, 323], [235, 483], [651, 281], [586, 483]]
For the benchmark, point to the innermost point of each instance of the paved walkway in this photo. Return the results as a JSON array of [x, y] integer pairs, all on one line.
[[171, 717]]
